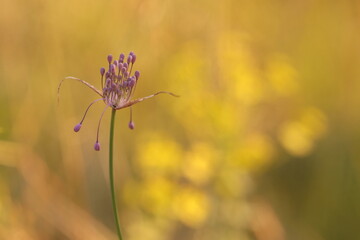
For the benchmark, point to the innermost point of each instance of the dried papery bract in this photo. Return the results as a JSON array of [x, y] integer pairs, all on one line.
[[117, 89]]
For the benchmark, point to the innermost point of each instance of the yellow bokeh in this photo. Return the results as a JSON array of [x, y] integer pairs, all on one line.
[[255, 153], [191, 206], [238, 68], [200, 163], [159, 155], [155, 196], [298, 137], [282, 76]]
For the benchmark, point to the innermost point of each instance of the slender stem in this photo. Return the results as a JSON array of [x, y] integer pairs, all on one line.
[[111, 173]]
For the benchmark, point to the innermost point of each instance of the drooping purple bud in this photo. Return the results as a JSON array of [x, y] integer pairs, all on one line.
[[126, 74], [126, 65], [120, 65], [133, 59], [97, 146], [131, 53], [137, 75], [77, 127], [123, 69], [109, 58], [131, 125], [102, 71], [121, 58], [107, 75], [116, 63]]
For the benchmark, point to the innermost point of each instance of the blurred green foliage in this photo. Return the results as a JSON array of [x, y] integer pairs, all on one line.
[[263, 143]]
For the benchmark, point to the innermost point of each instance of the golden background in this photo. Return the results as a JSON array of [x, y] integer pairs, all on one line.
[[263, 143]]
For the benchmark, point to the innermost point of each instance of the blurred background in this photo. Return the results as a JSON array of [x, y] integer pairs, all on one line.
[[263, 143]]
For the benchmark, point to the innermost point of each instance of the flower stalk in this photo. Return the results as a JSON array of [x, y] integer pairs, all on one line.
[[111, 173]]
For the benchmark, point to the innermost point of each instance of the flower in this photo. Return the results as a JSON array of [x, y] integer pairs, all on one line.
[[118, 87]]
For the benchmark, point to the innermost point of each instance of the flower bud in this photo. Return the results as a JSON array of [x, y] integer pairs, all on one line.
[[131, 82], [102, 71], [129, 59], [131, 125], [97, 146], [109, 58], [112, 68], [108, 82], [137, 75], [133, 59], [77, 127], [121, 58]]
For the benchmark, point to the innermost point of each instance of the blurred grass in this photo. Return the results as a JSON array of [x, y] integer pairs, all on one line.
[[262, 144]]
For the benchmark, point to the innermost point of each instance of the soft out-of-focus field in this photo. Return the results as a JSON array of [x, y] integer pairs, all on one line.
[[264, 142]]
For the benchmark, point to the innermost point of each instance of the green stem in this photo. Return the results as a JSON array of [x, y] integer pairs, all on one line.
[[111, 173]]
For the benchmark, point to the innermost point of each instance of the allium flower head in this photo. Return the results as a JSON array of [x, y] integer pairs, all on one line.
[[118, 85]]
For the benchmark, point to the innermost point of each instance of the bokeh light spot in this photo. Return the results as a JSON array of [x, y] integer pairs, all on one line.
[[191, 206]]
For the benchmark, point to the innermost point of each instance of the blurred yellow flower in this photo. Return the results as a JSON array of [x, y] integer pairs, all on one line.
[[255, 153], [156, 195], [248, 87], [298, 137], [233, 183], [191, 206], [149, 230], [199, 163], [282, 76], [159, 155], [238, 69]]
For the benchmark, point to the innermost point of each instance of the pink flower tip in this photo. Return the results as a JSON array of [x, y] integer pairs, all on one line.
[[102, 71], [131, 125], [109, 58], [137, 75], [133, 58], [77, 127], [97, 146]]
